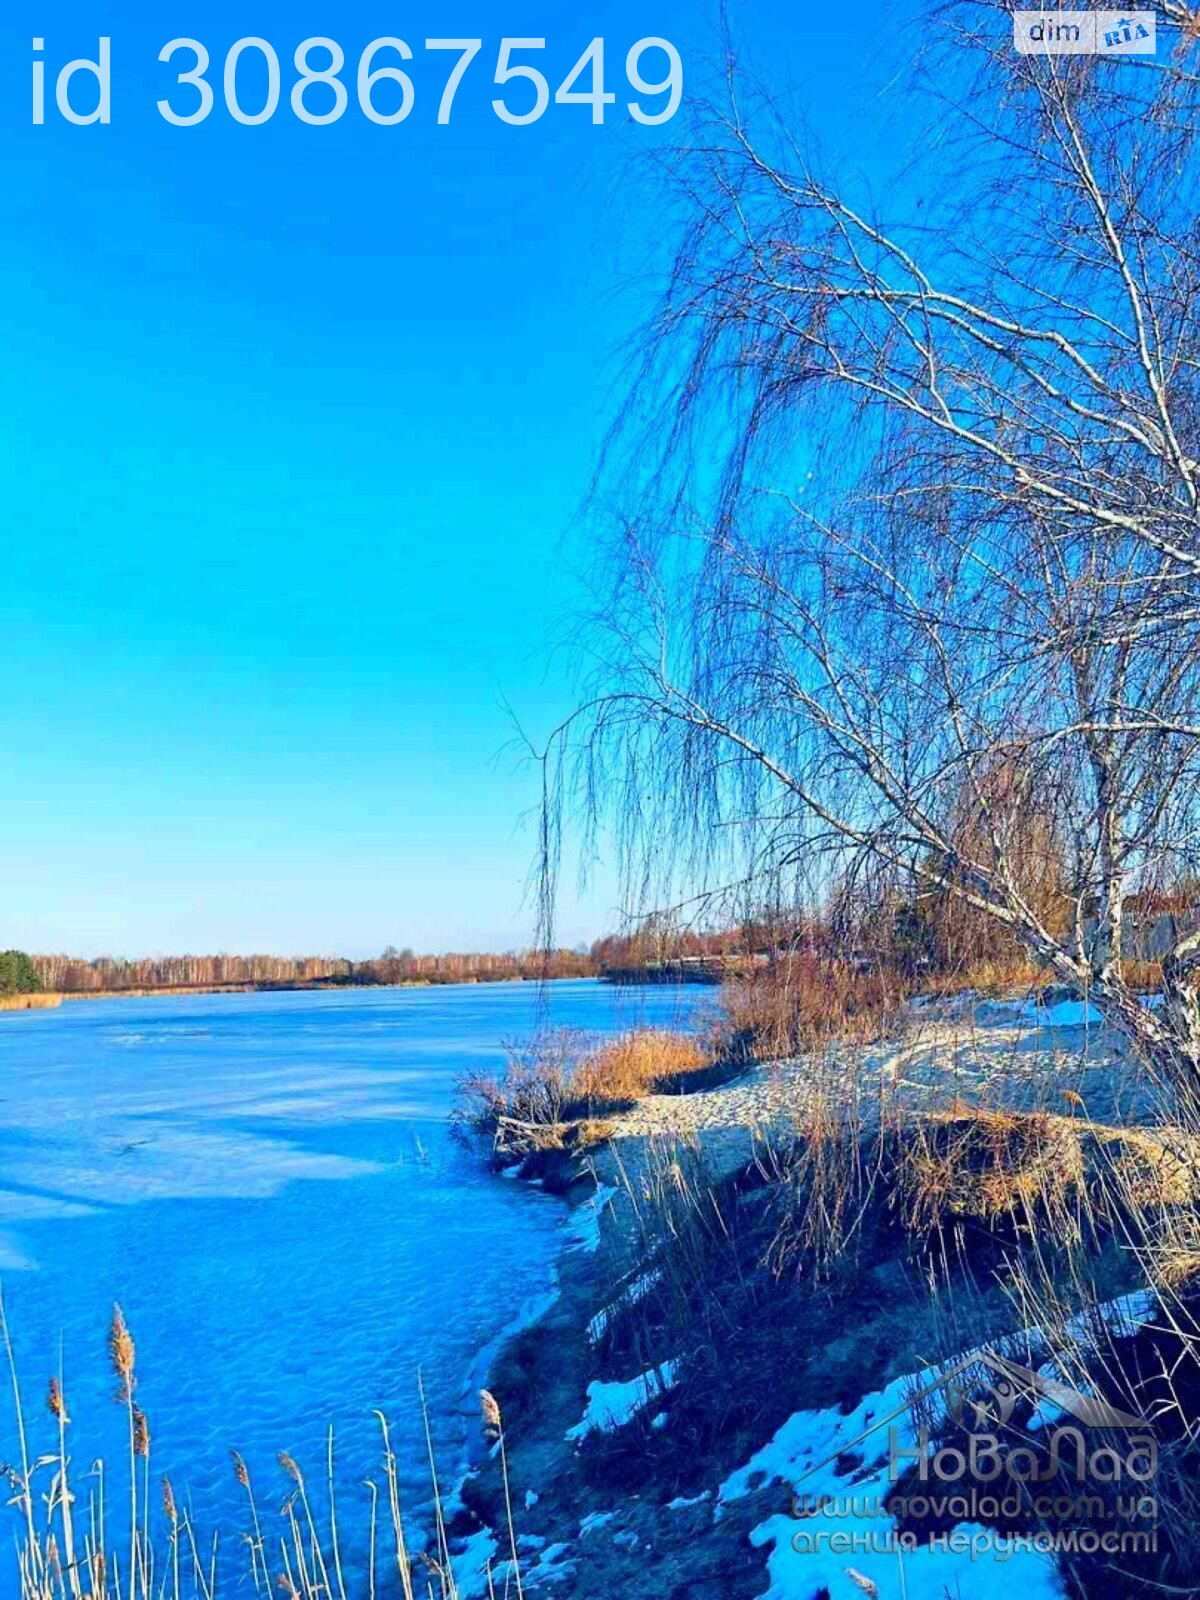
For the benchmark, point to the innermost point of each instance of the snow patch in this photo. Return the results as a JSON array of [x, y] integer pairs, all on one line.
[[611, 1405], [473, 1565], [1068, 1013], [594, 1520], [1065, 1014], [550, 1568], [808, 1438], [680, 1503]]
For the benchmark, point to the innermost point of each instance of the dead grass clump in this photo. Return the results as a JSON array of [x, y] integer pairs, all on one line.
[[641, 1062], [1179, 1273], [986, 1165], [521, 1110], [824, 1180], [1145, 1168], [556, 1094], [1038, 1170], [690, 1289], [589, 1132]]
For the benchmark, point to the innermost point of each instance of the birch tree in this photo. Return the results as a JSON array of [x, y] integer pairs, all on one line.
[[909, 493]]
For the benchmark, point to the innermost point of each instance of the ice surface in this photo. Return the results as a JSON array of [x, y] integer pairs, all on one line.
[[266, 1185]]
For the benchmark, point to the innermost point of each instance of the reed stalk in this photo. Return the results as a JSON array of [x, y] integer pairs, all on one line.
[[493, 1421], [26, 1498]]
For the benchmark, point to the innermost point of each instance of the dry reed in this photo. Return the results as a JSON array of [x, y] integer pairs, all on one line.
[[161, 1557]]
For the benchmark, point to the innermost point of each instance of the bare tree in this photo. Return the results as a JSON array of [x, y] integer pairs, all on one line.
[[913, 499]]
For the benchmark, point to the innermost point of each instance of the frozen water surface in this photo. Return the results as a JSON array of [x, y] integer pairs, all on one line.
[[266, 1184]]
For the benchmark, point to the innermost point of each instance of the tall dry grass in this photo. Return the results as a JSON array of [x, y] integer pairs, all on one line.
[[80, 1539], [868, 1237], [994, 977], [795, 1002], [638, 1063]]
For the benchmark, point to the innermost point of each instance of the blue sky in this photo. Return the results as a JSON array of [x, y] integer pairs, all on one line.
[[296, 424]]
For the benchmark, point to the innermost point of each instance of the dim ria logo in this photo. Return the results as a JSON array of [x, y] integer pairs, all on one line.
[[1084, 33]]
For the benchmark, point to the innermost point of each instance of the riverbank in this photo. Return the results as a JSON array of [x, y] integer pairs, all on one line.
[[714, 1354], [29, 1002]]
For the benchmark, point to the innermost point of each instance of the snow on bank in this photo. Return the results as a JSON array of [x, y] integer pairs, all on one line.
[[610, 1405], [922, 1573], [478, 1574], [473, 1565], [1062, 1013], [1120, 1317], [1065, 1014], [844, 1543], [810, 1438], [846, 1547], [809, 1444]]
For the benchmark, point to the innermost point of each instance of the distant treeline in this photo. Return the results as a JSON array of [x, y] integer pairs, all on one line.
[[403, 966], [106, 974]]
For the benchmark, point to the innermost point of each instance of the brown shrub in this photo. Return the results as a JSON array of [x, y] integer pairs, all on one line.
[[783, 1008]]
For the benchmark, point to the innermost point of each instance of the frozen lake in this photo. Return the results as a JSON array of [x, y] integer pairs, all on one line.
[[266, 1185]]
